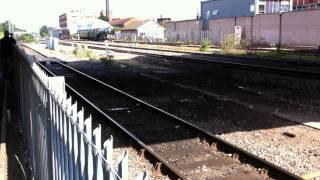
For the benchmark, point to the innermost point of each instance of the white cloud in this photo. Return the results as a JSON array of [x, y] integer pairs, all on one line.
[[31, 14]]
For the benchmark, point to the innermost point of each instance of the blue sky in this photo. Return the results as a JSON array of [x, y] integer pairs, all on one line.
[[31, 14]]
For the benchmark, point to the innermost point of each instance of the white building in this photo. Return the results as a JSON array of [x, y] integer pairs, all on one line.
[[70, 21], [143, 30]]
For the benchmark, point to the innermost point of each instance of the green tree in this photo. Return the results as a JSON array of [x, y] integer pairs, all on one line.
[[103, 17], [44, 31], [4, 26], [27, 38]]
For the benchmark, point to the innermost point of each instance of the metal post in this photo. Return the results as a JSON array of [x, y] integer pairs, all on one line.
[[280, 33]]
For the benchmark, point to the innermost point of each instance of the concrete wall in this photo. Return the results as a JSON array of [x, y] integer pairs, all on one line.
[[220, 28], [184, 31], [265, 29], [301, 28], [297, 28]]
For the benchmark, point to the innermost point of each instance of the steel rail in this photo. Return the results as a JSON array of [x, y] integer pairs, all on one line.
[[279, 60], [233, 65], [273, 170]]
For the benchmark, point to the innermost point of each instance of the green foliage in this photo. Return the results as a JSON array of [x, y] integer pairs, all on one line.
[[107, 60], [44, 31], [231, 42], [205, 45], [286, 55], [116, 28], [179, 43], [102, 17], [83, 53], [1, 35], [189, 42], [4, 26], [27, 38]]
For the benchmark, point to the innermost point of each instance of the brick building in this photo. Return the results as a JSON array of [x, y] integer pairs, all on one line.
[[299, 5]]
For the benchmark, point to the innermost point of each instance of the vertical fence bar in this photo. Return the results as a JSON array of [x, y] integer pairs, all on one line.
[[89, 158], [82, 152], [123, 167], [98, 173], [108, 155], [80, 117]]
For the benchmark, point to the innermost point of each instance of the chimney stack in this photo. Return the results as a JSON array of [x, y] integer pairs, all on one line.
[[108, 10]]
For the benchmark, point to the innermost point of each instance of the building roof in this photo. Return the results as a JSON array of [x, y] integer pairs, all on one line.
[[135, 24], [120, 22]]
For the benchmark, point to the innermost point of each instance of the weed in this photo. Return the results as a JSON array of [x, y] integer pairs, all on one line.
[[107, 60], [231, 44], [205, 45], [82, 52]]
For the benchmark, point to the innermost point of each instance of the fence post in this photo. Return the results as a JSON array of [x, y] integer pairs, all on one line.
[[123, 167], [67, 106], [82, 151], [74, 140], [89, 159], [98, 173], [108, 155], [77, 141], [280, 32]]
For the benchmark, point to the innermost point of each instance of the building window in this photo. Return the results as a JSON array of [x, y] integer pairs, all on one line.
[[207, 14], [261, 9]]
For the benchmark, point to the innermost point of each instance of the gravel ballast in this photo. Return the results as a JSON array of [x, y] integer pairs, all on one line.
[[293, 147]]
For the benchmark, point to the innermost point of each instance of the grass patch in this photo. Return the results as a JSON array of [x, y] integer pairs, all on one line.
[[27, 38], [233, 45], [205, 45], [84, 53], [286, 55]]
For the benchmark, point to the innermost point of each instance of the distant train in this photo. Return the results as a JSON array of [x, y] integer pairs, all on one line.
[[96, 30], [98, 34]]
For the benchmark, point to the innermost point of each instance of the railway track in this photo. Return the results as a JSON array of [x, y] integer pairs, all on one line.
[[312, 50], [295, 68], [184, 150]]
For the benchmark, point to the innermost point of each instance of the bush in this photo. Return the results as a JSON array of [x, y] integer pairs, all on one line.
[[205, 45], [189, 42], [232, 42], [179, 43], [1, 35], [27, 38], [91, 55], [83, 53], [107, 60]]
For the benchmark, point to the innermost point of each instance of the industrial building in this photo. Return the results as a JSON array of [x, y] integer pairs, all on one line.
[[69, 21], [217, 9], [299, 5]]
